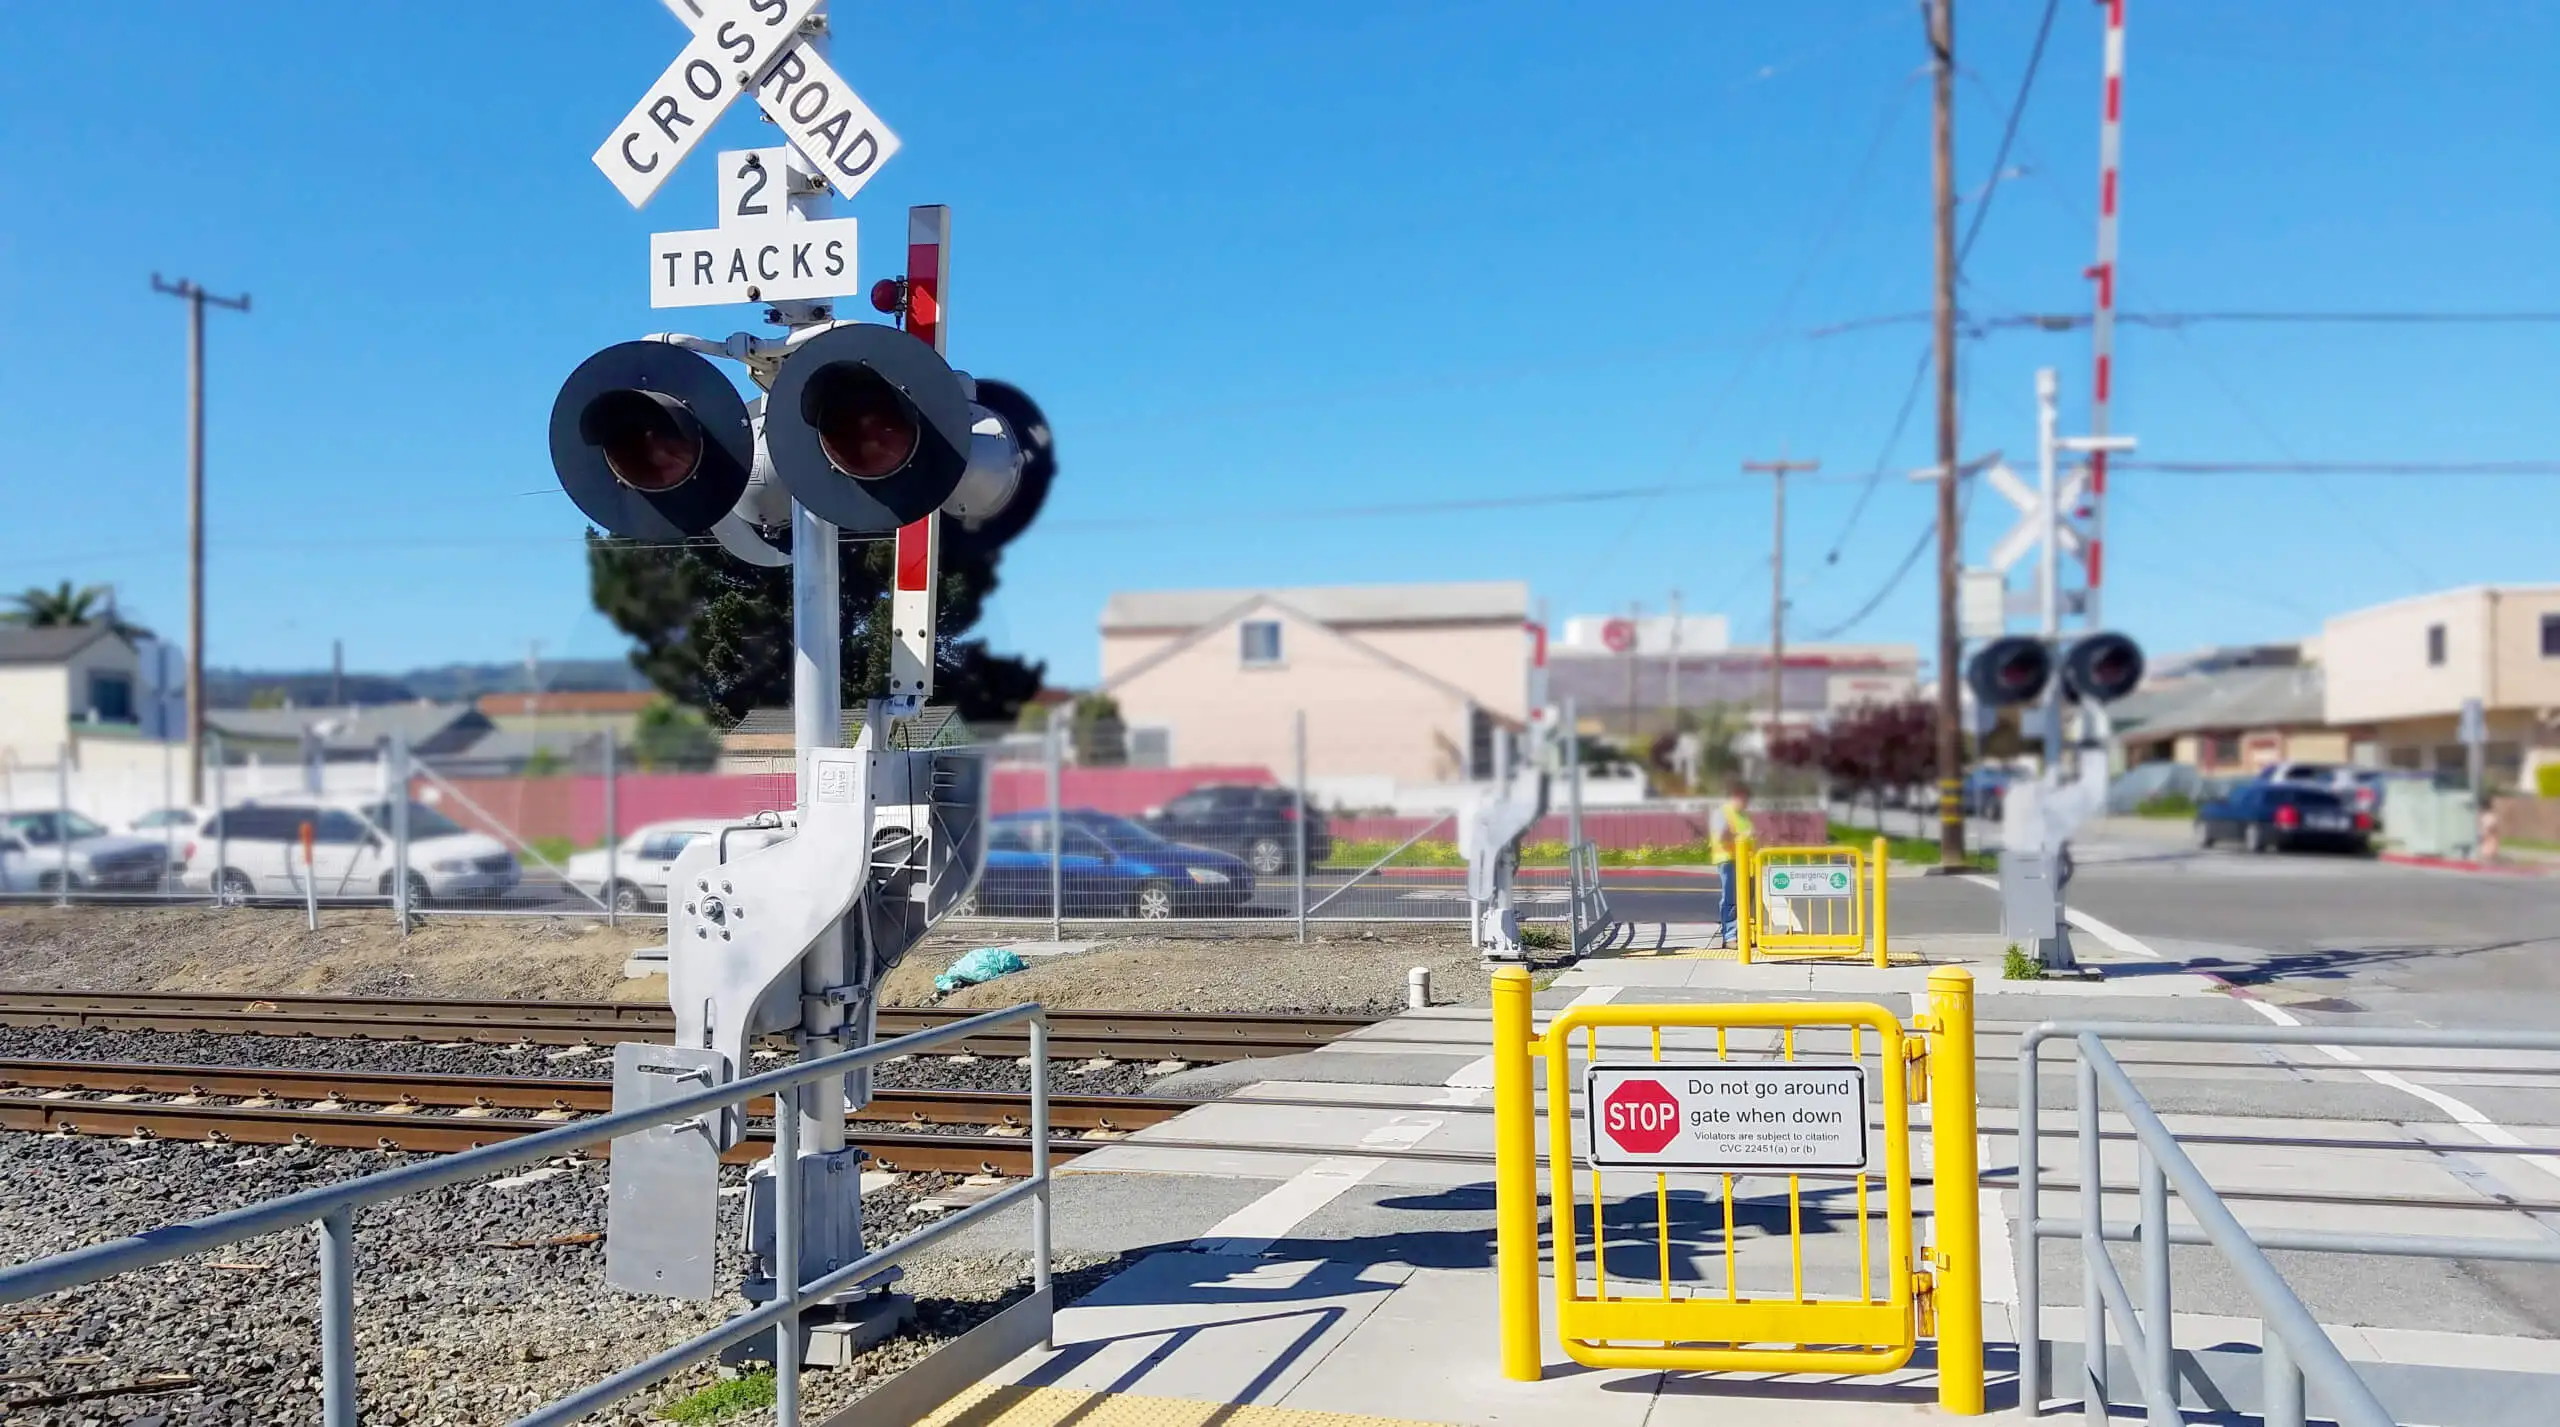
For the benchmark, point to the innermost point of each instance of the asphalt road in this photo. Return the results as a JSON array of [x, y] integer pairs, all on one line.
[[2344, 938]]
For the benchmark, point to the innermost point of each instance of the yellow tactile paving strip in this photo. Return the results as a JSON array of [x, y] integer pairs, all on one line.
[[992, 1405]]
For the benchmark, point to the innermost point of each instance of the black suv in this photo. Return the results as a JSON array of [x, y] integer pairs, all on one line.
[[1258, 824]]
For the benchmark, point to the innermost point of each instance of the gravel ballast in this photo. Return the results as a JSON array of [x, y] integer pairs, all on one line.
[[475, 1303], [350, 1053], [1345, 968]]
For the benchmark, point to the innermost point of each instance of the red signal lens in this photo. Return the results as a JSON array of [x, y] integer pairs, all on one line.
[[865, 427], [889, 295], [2288, 816]]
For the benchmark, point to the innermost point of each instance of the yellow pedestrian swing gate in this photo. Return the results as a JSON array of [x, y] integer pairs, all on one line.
[[1772, 1149], [1810, 901]]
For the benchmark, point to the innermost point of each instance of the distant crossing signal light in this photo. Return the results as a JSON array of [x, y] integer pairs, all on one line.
[[2103, 668], [2009, 671], [651, 441]]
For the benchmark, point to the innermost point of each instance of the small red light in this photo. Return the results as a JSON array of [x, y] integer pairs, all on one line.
[[2364, 822], [2288, 816], [1288, 812], [889, 295]]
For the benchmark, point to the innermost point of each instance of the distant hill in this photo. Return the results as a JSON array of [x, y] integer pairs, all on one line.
[[445, 683]]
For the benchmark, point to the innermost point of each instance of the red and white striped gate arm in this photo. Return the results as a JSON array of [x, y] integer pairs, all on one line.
[[2102, 320], [919, 562]]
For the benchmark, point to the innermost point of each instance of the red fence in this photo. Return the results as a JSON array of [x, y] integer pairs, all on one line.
[[1602, 827], [572, 805]]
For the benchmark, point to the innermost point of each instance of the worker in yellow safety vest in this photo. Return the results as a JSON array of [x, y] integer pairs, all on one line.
[[1732, 824]]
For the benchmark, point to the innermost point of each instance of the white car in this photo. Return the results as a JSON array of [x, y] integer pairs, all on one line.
[[643, 861], [254, 849], [58, 851]]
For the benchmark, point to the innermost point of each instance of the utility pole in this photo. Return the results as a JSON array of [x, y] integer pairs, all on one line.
[[1777, 472], [1942, 56], [1671, 694], [196, 298], [1635, 651]]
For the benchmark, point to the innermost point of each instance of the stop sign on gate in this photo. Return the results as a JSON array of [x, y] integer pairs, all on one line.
[[1640, 1116]]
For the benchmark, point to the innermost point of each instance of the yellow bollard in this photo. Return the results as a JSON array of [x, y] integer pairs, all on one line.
[[1882, 957], [1515, 1175], [1958, 1255], [1743, 910]]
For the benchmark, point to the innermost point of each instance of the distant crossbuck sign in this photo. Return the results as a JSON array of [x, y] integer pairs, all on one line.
[[1809, 881], [739, 45]]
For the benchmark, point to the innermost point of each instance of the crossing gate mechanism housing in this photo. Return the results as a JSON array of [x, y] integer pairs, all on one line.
[[1703, 1100]]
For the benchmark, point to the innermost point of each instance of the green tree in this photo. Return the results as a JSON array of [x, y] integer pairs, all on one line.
[[61, 605], [715, 632], [1095, 732], [668, 735]]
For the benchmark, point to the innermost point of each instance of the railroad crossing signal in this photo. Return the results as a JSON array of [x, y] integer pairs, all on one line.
[[2097, 668], [2033, 519], [740, 45]]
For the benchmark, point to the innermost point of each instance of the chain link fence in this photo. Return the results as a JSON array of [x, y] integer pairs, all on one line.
[[586, 829]]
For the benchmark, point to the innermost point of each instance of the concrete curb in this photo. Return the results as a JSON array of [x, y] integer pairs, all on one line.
[[2457, 864]]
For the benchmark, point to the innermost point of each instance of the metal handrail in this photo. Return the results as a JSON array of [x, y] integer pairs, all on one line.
[[2295, 1347], [333, 1207]]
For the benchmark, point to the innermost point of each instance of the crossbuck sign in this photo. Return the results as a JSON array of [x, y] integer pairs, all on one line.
[[740, 45]]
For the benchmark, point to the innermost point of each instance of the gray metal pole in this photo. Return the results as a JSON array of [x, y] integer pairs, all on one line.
[[817, 721], [1572, 780], [2093, 1251], [221, 820], [786, 1255], [62, 824], [2157, 1336], [2048, 559], [168, 830], [1299, 781], [1057, 827], [399, 799], [2030, 1324], [2281, 1380], [1040, 1159], [612, 837], [338, 1317]]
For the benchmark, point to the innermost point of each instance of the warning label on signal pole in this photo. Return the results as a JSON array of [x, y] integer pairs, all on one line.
[[1789, 1118]]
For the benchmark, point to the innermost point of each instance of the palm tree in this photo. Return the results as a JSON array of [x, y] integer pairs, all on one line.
[[60, 605], [64, 606]]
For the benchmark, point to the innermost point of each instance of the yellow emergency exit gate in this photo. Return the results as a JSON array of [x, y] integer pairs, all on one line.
[[1713, 1326], [1836, 894]]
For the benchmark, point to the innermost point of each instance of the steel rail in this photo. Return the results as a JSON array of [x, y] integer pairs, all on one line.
[[913, 1150], [539, 1093], [1193, 1036]]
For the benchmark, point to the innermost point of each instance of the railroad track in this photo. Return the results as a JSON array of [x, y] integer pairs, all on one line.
[[901, 1129], [1122, 1035]]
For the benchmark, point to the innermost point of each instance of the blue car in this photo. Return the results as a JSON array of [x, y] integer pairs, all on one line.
[[1107, 867]]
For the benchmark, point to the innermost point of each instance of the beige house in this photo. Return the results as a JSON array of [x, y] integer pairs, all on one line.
[[1401, 684], [2398, 675], [57, 681]]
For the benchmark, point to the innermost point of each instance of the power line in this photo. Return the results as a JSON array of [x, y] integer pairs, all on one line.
[[2008, 135], [2073, 321], [1964, 250], [2344, 468]]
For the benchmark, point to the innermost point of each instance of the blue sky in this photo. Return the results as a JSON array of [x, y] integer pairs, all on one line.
[[1263, 262]]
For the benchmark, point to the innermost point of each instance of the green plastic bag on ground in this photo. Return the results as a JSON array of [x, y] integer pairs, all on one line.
[[985, 964]]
